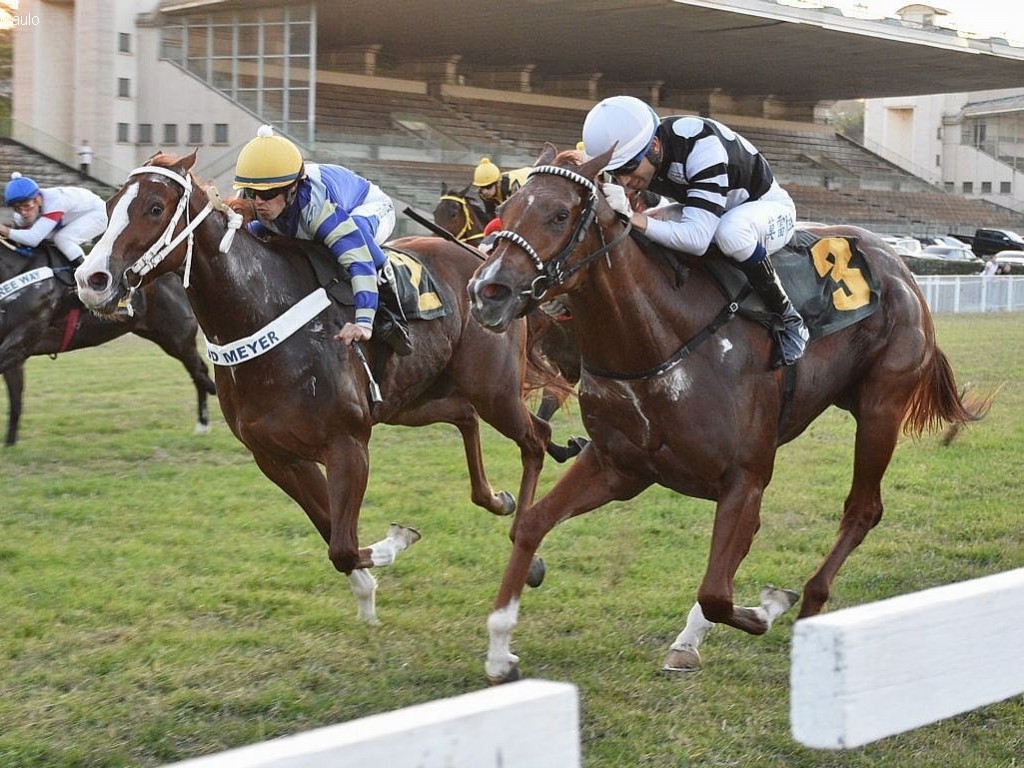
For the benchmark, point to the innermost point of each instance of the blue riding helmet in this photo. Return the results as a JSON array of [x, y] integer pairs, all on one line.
[[19, 189]]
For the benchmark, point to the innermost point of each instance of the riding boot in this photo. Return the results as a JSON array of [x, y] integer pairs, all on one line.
[[392, 325], [791, 337]]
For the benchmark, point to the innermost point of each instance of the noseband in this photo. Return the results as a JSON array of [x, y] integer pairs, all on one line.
[[167, 241], [554, 272]]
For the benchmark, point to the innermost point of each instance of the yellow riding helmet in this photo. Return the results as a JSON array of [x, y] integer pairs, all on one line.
[[486, 173], [267, 162]]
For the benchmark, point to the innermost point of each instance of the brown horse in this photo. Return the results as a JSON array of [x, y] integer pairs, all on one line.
[[461, 215], [44, 318], [465, 218], [676, 392], [305, 400]]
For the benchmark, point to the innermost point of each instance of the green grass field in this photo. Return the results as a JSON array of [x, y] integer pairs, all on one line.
[[161, 599]]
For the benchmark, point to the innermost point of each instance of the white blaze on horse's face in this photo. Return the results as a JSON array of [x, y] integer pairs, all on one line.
[[98, 259]]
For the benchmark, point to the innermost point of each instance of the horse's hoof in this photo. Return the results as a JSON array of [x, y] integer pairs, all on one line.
[[202, 429], [535, 577], [506, 504], [681, 660], [404, 533], [511, 676], [784, 597], [577, 444]]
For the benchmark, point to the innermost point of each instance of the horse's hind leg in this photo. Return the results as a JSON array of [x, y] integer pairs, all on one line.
[[877, 433], [14, 378], [182, 347]]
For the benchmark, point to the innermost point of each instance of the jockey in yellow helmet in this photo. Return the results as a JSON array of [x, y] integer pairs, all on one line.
[[496, 187], [331, 205]]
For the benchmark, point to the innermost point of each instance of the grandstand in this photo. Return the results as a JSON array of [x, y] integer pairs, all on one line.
[[414, 120]]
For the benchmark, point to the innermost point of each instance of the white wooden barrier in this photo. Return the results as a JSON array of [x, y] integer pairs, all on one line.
[[528, 724], [872, 671]]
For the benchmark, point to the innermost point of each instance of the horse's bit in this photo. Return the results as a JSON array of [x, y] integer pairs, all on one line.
[[554, 272]]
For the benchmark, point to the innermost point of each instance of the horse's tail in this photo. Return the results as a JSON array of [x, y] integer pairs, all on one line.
[[936, 401]]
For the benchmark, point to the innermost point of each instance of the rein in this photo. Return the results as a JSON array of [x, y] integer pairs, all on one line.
[[554, 273], [467, 215]]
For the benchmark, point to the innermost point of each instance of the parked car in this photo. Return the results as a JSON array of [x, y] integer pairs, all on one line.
[[904, 246], [1012, 258], [990, 241], [951, 249]]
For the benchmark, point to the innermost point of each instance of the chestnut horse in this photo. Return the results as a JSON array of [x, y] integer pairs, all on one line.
[[464, 218], [44, 318], [304, 401], [675, 391]]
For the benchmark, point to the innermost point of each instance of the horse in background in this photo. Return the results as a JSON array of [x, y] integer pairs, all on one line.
[[549, 332], [40, 315], [297, 398], [461, 215], [677, 387]]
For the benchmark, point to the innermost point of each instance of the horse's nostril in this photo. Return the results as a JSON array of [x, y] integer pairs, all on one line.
[[98, 281], [493, 291]]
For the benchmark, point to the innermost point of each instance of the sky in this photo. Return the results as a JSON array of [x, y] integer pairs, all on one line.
[[986, 18]]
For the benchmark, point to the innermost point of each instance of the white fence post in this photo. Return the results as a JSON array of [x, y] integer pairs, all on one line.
[[872, 671], [529, 724]]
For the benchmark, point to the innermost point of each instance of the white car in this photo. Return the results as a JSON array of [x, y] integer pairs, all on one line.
[[1013, 258]]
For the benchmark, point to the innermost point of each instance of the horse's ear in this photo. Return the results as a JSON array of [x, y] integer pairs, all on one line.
[[547, 155], [465, 190], [593, 167], [444, 188], [189, 160]]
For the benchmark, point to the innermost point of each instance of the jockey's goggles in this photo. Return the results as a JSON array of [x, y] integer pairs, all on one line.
[[631, 165], [265, 195]]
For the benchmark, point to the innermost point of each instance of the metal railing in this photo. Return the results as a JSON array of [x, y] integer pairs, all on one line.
[[955, 294]]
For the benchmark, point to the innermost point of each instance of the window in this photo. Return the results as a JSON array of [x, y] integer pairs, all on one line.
[[145, 133], [938, 133], [124, 87], [968, 187], [122, 133], [986, 187], [949, 186], [1005, 188], [195, 133], [170, 133], [220, 133], [938, 161], [124, 42]]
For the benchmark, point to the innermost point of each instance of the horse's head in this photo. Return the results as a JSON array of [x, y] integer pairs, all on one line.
[[149, 222], [460, 215], [549, 236]]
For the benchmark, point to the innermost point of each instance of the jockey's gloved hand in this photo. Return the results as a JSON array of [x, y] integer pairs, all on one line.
[[616, 197]]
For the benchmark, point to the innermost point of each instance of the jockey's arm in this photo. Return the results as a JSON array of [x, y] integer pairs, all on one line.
[[347, 243], [34, 235], [692, 233]]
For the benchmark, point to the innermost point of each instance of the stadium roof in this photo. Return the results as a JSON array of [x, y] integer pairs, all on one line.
[[744, 48], [747, 48]]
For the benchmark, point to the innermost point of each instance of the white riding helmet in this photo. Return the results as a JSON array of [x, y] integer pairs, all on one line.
[[624, 122]]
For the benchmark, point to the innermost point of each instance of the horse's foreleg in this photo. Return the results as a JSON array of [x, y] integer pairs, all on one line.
[[14, 378], [587, 484], [737, 518], [458, 411], [876, 439]]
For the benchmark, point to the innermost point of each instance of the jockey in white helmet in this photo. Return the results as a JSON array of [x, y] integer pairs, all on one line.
[[729, 194]]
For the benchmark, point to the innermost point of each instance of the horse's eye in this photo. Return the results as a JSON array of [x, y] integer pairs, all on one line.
[[561, 216], [156, 209]]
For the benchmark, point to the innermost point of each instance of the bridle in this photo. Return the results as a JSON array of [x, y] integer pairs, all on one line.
[[467, 214], [168, 241], [555, 272]]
